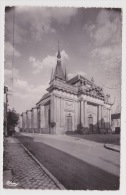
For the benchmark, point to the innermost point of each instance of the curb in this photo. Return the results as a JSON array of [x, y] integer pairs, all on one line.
[[59, 185], [111, 148]]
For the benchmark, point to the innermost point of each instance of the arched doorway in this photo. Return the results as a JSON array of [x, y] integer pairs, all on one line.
[[90, 123], [69, 122]]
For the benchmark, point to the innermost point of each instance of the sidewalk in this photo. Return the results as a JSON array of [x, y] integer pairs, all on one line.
[[20, 168], [112, 147]]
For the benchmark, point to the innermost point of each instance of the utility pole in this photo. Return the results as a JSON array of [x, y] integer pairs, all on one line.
[[5, 110]]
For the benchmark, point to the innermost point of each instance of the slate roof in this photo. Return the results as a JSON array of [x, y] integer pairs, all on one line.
[[59, 71], [46, 95]]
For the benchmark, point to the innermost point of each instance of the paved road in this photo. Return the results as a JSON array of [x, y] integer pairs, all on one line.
[[25, 170], [76, 163], [88, 151]]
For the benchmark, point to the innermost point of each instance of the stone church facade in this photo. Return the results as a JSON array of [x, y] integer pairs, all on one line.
[[69, 105]]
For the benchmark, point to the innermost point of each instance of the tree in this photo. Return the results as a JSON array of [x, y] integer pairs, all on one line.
[[12, 121]]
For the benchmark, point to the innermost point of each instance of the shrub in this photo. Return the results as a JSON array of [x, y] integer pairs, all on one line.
[[52, 124], [85, 130], [74, 132], [79, 126], [109, 131], [103, 131]]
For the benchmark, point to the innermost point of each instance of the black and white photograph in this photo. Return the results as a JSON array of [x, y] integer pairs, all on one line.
[[62, 98]]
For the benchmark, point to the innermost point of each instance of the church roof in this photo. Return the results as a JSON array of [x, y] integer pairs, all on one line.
[[46, 95], [77, 78]]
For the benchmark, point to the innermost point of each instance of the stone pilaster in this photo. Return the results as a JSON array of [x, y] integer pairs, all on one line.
[[85, 114], [53, 108], [99, 116], [42, 116], [61, 112], [32, 120], [35, 117], [29, 119], [53, 112], [76, 115], [82, 112], [57, 110], [38, 117], [24, 120], [27, 122]]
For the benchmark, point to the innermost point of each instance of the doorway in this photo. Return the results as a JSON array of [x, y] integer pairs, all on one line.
[[90, 123], [69, 122]]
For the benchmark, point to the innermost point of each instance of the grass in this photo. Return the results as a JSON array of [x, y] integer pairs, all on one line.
[[101, 138]]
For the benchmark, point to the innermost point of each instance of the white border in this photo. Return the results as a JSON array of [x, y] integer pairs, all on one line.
[[69, 3]]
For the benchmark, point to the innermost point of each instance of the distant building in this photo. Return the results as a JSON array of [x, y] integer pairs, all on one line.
[[116, 122], [69, 104]]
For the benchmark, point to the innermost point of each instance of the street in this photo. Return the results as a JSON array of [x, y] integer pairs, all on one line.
[[77, 165]]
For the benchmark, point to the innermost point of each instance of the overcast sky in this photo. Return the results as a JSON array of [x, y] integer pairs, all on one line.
[[90, 44]]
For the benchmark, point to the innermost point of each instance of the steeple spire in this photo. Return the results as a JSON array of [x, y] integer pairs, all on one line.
[[59, 73], [51, 75], [59, 55]]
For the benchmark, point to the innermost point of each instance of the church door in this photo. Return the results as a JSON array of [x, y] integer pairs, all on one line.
[[90, 123], [69, 123]]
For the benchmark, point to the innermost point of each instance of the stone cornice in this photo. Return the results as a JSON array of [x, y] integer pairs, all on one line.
[[66, 98]]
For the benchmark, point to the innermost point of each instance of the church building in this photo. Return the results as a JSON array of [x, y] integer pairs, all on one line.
[[69, 105]]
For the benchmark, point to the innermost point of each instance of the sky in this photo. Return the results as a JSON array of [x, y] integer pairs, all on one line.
[[90, 45]]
